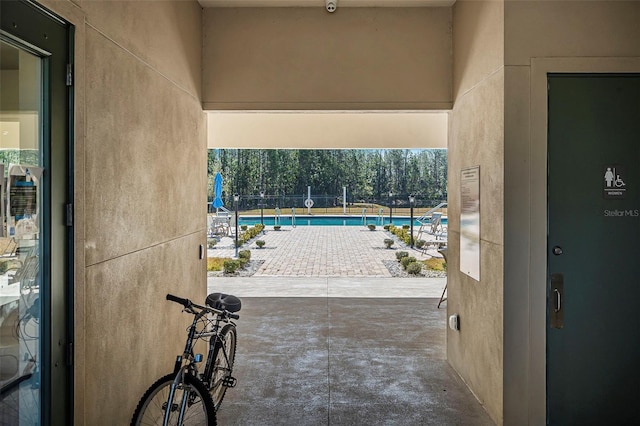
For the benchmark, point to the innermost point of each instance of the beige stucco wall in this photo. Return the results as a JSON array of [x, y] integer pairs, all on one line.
[[308, 59], [140, 188], [476, 139], [541, 37]]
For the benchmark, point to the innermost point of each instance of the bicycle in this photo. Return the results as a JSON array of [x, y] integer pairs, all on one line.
[[188, 396]]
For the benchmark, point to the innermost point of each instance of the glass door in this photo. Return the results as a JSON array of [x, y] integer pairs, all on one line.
[[35, 236], [20, 204]]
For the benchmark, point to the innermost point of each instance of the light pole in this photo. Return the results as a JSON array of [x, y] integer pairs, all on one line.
[[390, 208], [412, 200], [262, 208], [236, 198]]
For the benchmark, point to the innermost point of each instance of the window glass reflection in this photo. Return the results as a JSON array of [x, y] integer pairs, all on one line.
[[20, 205]]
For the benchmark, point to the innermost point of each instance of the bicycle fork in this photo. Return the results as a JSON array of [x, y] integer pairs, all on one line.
[[179, 371], [172, 392]]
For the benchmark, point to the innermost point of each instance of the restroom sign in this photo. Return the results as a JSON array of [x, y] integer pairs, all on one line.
[[613, 180]]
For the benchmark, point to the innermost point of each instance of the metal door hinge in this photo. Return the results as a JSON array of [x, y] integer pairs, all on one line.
[[69, 354], [69, 74], [68, 219]]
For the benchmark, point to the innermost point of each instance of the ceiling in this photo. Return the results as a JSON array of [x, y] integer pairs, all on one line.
[[327, 129], [321, 3]]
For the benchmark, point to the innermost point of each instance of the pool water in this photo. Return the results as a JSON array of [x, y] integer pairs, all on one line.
[[329, 221]]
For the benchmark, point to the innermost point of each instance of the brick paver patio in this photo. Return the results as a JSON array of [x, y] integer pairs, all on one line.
[[321, 251]]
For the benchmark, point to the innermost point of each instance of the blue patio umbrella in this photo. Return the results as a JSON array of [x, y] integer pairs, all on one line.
[[217, 190]]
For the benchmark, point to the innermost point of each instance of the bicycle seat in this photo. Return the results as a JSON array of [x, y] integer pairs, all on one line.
[[223, 301]]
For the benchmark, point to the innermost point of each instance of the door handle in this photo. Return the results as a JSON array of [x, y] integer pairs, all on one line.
[[556, 294]]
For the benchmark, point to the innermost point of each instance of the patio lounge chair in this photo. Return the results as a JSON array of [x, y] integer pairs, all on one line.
[[443, 298], [435, 228], [218, 225]]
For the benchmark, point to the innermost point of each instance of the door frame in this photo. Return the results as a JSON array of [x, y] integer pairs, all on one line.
[[34, 28], [537, 275]]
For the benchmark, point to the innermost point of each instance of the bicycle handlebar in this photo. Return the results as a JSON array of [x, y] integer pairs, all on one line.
[[184, 302], [188, 304]]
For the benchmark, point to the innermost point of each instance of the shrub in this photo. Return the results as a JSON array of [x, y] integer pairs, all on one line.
[[407, 239], [407, 260], [260, 243], [211, 242], [253, 231], [276, 227], [231, 266], [244, 254], [388, 242], [386, 227], [401, 254], [243, 257], [414, 268], [401, 233], [243, 227], [239, 243], [405, 226], [371, 227], [420, 243]]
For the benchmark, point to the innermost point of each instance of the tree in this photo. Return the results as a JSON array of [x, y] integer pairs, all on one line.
[[368, 174]]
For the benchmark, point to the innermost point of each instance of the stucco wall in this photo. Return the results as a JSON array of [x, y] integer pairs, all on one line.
[[575, 36], [307, 59], [476, 139], [140, 173]]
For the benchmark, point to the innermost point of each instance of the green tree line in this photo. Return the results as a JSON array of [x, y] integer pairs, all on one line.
[[368, 175]]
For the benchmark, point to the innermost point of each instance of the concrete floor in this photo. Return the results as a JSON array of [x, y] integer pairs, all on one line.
[[345, 361], [327, 337]]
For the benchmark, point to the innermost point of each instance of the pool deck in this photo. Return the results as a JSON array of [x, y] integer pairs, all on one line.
[[325, 261]]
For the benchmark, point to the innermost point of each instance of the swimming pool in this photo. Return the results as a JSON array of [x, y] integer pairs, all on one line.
[[304, 220]]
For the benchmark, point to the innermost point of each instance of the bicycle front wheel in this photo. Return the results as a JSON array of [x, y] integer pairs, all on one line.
[[224, 354], [198, 408]]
